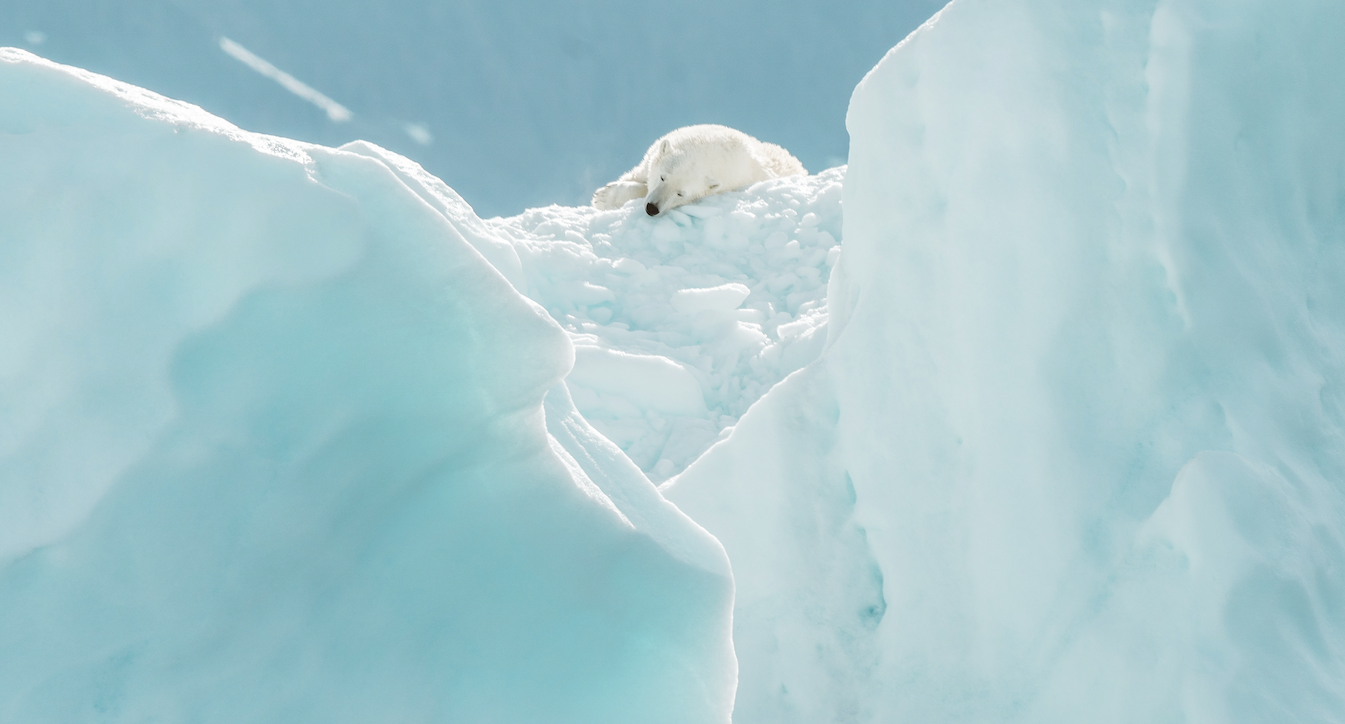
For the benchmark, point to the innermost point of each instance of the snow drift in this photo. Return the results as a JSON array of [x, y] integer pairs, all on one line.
[[1076, 450], [680, 323], [274, 447]]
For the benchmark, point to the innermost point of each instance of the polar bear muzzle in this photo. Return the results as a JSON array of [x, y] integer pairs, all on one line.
[[651, 209]]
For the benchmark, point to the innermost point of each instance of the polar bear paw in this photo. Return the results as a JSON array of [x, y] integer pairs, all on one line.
[[616, 194]]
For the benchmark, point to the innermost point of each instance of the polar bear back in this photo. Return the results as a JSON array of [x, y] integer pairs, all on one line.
[[778, 161], [696, 161], [774, 160]]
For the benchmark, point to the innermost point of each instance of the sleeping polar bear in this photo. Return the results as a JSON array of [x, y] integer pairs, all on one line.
[[694, 162]]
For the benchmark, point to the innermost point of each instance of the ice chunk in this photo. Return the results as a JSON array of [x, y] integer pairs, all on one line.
[[628, 266], [723, 298], [667, 230], [702, 211]]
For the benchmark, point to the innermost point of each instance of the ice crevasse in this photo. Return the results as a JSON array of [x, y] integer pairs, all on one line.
[[1075, 450]]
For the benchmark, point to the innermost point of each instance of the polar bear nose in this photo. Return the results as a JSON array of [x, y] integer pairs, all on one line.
[[651, 209]]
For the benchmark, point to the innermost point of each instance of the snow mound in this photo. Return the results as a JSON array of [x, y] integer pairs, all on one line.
[[1076, 449], [278, 444], [681, 322]]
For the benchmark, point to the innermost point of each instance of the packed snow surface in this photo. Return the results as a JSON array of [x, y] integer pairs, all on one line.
[[680, 322], [1076, 448], [280, 441]]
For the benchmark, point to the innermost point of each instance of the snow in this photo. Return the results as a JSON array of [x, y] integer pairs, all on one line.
[[278, 443], [723, 298], [291, 433], [335, 111], [680, 322], [1076, 447]]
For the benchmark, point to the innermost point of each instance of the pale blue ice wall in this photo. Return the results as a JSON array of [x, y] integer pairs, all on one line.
[[529, 103], [273, 448], [1076, 451], [1091, 377]]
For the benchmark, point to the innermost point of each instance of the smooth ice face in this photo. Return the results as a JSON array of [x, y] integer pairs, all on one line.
[[278, 444], [1080, 417]]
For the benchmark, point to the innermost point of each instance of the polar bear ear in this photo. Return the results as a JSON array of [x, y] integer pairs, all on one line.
[[664, 147]]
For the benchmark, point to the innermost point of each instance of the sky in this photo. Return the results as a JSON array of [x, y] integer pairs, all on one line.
[[514, 104]]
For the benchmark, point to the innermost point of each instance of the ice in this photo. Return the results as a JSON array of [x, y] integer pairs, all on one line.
[[1076, 448], [290, 433], [278, 444], [723, 298], [808, 592], [649, 382], [681, 322]]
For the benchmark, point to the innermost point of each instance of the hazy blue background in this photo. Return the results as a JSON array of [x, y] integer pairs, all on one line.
[[528, 103]]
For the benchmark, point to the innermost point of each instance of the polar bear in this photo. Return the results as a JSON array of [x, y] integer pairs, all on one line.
[[693, 162]]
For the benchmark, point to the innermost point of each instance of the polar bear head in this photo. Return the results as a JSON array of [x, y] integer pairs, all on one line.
[[682, 173]]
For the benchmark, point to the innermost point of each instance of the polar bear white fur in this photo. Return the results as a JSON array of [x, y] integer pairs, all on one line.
[[693, 162]]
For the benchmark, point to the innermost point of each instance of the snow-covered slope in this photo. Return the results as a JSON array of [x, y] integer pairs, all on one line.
[[274, 447], [1076, 451], [680, 323]]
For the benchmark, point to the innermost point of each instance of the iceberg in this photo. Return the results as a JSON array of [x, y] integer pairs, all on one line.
[[280, 440], [1075, 450]]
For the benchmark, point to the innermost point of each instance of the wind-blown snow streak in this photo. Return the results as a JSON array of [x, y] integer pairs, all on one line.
[[334, 110]]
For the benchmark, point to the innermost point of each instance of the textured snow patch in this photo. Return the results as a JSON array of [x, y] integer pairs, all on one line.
[[731, 290]]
